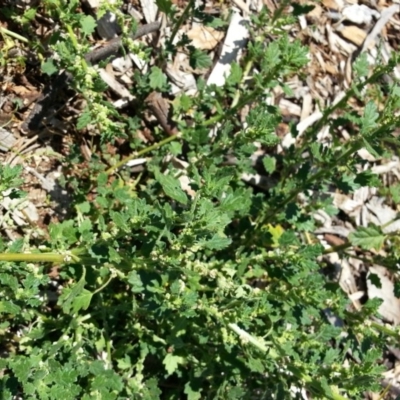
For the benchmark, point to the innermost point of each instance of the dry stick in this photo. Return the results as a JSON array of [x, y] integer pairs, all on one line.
[[113, 46], [52, 90]]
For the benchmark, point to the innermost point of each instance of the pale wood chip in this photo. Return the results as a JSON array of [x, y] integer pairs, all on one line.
[[235, 41], [360, 14], [93, 3], [289, 108], [340, 45], [353, 34], [7, 139], [150, 10], [122, 64], [386, 15], [333, 4], [331, 39], [183, 81], [289, 140], [303, 22], [114, 85], [331, 69], [316, 13], [321, 61], [306, 110]]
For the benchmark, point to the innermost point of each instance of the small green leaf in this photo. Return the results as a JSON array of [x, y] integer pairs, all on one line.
[[21, 367], [8, 307], [164, 6], [185, 102], [136, 282], [75, 297], [330, 356], [369, 118], [88, 24], [82, 301], [235, 76], [84, 119], [255, 365], [114, 256], [192, 394], [175, 148], [375, 280], [157, 78], [64, 232], [29, 15], [199, 59], [102, 202], [272, 55], [361, 65], [10, 281], [370, 148], [124, 363], [172, 362], [299, 9], [85, 226], [120, 220], [172, 187], [395, 192], [49, 68], [345, 183], [367, 178], [84, 207], [367, 238], [217, 242], [133, 26], [217, 23], [269, 164], [102, 179]]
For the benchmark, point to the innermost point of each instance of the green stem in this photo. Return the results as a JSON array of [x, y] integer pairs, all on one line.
[[385, 330], [14, 35], [351, 92], [340, 105], [271, 352], [246, 71], [247, 337], [72, 36], [141, 152], [77, 255], [103, 286], [336, 249], [181, 20], [34, 257], [318, 176]]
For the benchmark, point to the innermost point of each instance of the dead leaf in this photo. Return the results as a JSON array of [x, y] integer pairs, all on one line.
[[20, 90], [331, 4], [205, 37]]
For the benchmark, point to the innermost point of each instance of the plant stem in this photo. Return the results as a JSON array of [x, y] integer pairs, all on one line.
[[336, 249], [33, 257], [181, 20], [14, 35], [155, 146], [104, 285], [318, 176]]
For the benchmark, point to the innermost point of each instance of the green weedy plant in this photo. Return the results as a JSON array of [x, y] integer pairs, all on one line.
[[218, 295]]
